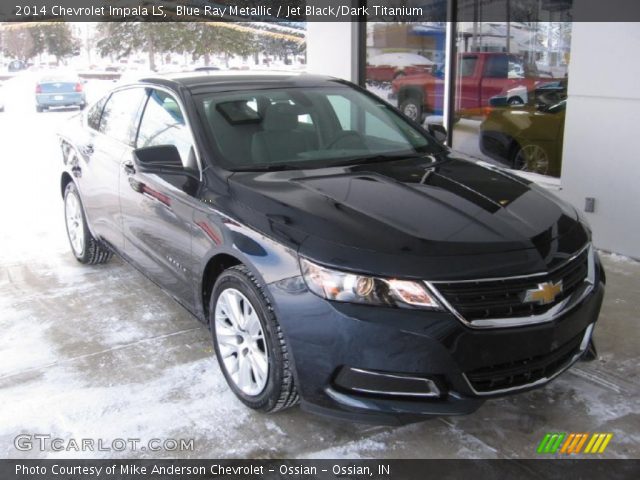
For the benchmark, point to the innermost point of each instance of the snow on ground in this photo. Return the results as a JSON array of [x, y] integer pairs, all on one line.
[[617, 258]]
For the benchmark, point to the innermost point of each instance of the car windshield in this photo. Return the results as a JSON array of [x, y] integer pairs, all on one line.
[[306, 127]]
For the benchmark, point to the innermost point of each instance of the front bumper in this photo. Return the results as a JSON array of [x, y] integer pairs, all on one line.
[[327, 338]]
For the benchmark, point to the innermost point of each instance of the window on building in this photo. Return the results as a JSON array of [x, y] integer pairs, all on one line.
[[510, 107]]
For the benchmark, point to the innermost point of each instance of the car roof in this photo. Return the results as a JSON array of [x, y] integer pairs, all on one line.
[[197, 82]]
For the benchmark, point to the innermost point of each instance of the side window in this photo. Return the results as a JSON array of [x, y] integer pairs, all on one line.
[[468, 66], [94, 114], [120, 115], [163, 123], [516, 67], [497, 66]]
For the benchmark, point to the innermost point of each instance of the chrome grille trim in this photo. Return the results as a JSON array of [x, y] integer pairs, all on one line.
[[566, 304]]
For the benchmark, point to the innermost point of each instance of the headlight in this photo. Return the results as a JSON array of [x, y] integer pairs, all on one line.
[[349, 287]]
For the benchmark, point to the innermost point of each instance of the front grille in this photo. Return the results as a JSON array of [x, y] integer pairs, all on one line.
[[503, 298], [525, 371]]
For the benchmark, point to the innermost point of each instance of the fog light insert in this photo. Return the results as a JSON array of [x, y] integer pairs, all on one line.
[[383, 383]]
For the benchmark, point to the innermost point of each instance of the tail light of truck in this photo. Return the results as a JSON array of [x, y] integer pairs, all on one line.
[[38, 88], [78, 87]]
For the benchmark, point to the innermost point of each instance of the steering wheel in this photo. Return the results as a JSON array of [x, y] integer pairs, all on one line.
[[356, 139]]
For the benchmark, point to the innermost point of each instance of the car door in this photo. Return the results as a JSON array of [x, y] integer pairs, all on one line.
[[496, 78], [157, 211], [467, 86], [111, 126]]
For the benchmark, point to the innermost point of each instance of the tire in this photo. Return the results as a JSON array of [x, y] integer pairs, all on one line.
[[87, 250], [530, 158], [411, 106], [39, 109], [515, 101], [270, 392]]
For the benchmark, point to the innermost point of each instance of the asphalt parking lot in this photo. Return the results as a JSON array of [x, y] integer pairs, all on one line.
[[102, 353]]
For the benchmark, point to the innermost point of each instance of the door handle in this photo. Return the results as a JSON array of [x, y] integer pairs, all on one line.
[[129, 168]]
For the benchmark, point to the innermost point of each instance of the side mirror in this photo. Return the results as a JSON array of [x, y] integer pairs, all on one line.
[[436, 128], [160, 160]]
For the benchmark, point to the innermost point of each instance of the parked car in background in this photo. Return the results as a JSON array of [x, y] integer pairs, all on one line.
[[17, 65], [388, 66], [527, 137], [207, 69], [481, 75], [341, 256], [59, 91]]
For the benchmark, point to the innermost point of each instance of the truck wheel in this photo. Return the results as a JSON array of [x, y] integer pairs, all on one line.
[[412, 108]]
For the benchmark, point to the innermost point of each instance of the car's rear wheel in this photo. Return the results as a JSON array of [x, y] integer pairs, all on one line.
[[531, 158], [84, 246], [412, 108], [249, 343], [39, 109]]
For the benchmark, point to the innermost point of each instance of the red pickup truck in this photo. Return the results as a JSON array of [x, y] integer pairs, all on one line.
[[481, 75]]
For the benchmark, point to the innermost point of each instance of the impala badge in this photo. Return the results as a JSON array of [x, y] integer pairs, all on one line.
[[545, 293]]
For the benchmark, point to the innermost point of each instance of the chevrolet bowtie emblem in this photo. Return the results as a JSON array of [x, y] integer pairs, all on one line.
[[544, 294]]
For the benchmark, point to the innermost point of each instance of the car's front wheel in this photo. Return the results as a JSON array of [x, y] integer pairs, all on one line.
[[84, 246], [249, 343]]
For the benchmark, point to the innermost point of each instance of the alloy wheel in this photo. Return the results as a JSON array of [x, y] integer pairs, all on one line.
[[241, 343], [532, 158], [75, 224]]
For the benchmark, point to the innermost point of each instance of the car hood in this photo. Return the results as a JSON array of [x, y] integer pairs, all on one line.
[[400, 217]]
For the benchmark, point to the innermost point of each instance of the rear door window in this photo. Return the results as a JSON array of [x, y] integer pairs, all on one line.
[[468, 66], [497, 66]]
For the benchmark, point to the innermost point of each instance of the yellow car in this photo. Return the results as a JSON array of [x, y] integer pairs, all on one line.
[[526, 137]]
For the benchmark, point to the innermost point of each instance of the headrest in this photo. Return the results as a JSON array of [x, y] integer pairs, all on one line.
[[281, 116]]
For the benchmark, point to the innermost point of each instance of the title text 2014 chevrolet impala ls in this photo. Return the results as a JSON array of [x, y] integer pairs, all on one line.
[[341, 256]]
